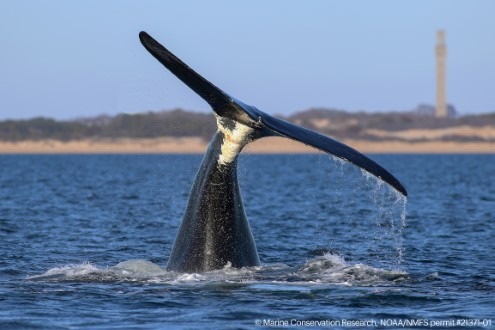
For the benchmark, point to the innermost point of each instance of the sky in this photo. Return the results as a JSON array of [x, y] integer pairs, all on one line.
[[73, 59]]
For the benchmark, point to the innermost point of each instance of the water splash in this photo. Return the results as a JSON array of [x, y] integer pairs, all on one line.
[[390, 212], [327, 269], [332, 268], [137, 268], [371, 209], [70, 270]]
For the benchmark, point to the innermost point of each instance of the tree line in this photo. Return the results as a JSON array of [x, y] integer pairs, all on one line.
[[177, 123], [181, 123]]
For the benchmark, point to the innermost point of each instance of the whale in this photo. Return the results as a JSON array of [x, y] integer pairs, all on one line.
[[215, 232]]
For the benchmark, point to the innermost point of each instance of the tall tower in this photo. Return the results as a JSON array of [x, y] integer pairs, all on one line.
[[441, 52]]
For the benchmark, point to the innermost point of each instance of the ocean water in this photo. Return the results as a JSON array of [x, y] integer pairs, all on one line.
[[84, 241]]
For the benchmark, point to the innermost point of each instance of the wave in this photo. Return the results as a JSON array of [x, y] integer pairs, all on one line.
[[326, 269], [331, 268]]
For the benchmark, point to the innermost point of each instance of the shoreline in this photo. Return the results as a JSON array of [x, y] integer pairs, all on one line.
[[271, 145]]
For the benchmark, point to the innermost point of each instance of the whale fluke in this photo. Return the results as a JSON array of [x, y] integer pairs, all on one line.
[[214, 231]]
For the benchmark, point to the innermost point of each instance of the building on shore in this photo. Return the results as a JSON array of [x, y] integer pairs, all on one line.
[[441, 56]]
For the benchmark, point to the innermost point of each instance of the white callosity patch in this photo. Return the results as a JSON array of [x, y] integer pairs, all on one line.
[[234, 140]]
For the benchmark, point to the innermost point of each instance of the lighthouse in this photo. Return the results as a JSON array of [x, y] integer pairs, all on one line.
[[441, 54]]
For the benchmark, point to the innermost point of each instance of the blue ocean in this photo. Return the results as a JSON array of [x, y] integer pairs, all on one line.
[[84, 241]]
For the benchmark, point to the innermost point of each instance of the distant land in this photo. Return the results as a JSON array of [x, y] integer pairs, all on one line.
[[186, 131]]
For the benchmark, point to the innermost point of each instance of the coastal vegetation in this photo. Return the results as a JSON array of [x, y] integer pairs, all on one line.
[[411, 126]]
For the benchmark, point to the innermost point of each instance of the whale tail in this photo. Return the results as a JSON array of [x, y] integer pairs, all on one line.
[[230, 111]]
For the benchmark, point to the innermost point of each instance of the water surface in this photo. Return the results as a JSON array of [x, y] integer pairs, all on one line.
[[84, 241]]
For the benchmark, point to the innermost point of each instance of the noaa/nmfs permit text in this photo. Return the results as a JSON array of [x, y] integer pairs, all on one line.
[[385, 323]]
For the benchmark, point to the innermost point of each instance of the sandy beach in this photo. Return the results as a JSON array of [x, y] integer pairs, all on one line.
[[197, 145]]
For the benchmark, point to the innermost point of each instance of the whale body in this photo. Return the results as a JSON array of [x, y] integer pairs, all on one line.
[[215, 231]]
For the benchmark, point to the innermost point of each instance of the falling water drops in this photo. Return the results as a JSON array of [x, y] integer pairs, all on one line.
[[369, 208]]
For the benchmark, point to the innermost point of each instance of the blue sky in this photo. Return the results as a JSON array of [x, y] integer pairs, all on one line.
[[70, 59]]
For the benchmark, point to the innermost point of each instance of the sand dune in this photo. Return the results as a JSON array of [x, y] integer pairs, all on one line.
[[484, 132], [197, 145]]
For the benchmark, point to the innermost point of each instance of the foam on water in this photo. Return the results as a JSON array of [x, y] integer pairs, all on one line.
[[137, 268], [67, 271], [326, 269], [331, 268]]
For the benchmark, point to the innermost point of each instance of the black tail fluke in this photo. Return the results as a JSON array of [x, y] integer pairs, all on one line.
[[331, 146], [227, 106], [209, 92], [221, 102]]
